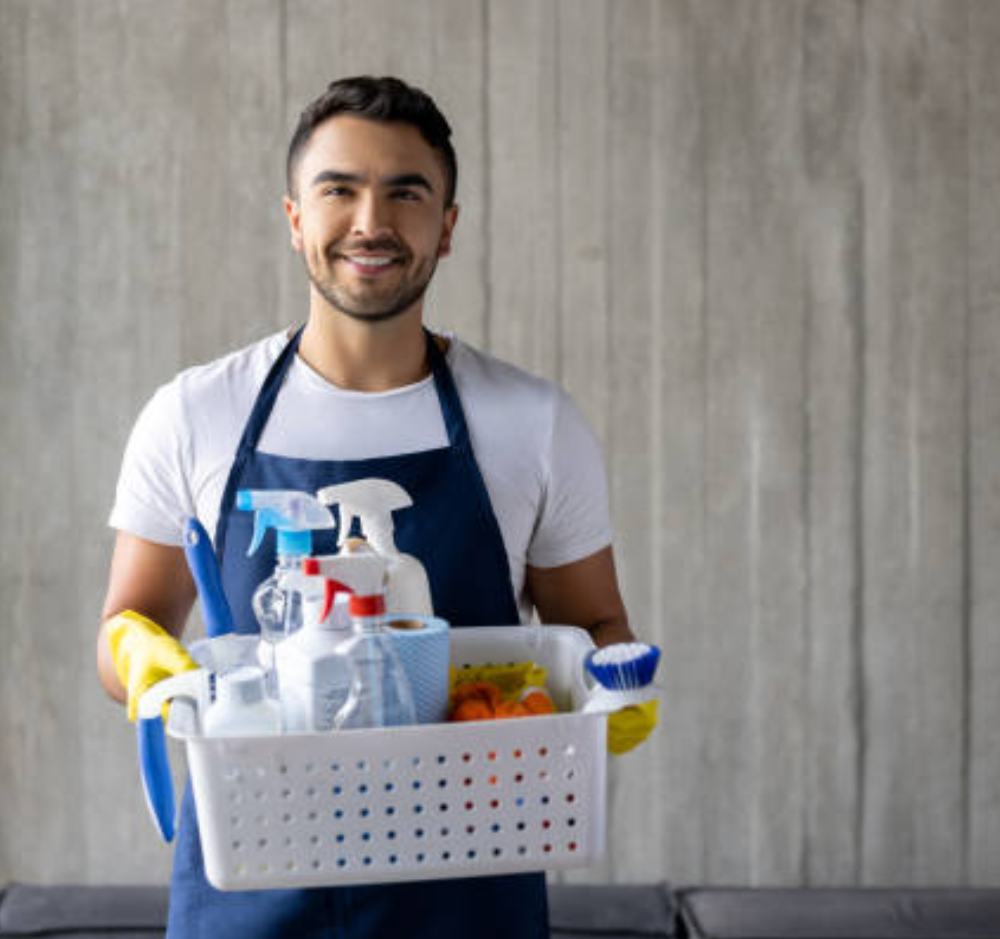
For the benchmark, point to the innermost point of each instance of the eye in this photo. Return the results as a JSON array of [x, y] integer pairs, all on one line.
[[407, 195], [335, 191]]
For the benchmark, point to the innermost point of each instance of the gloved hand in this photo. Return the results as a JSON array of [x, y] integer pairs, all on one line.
[[143, 654], [628, 727]]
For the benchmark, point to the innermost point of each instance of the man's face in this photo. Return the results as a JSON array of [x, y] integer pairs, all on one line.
[[369, 217]]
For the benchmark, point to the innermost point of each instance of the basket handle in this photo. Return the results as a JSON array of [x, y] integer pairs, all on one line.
[[154, 761]]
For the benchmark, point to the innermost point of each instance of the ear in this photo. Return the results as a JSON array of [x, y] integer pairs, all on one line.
[[450, 218], [294, 213]]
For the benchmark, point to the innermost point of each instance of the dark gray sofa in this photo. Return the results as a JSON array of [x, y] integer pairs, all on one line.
[[583, 912]]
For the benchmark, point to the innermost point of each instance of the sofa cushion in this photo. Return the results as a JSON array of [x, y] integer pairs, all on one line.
[[611, 911], [841, 914], [83, 912]]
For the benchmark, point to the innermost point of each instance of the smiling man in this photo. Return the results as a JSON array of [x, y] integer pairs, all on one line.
[[510, 514]]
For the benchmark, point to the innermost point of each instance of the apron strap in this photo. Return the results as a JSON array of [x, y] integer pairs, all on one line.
[[254, 430]]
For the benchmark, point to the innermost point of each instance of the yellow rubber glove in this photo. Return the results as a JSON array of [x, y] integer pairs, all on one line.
[[628, 727], [144, 654]]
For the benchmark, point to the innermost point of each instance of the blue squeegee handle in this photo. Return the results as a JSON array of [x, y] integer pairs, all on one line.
[[157, 782], [205, 570], [154, 762]]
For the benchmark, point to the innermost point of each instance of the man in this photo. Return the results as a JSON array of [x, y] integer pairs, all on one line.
[[510, 506]]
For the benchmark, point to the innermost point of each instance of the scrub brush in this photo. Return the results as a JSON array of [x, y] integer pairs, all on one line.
[[624, 673]]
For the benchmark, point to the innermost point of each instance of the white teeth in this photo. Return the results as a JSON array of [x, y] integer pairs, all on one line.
[[372, 262]]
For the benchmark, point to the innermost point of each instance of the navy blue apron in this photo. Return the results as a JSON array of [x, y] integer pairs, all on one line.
[[452, 529]]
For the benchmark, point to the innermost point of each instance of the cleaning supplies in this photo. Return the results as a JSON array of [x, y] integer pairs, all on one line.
[[423, 644], [242, 707], [314, 678], [372, 501], [624, 672], [490, 691], [380, 693], [625, 692], [294, 516]]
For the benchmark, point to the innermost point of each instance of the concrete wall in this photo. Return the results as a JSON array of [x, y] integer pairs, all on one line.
[[757, 240]]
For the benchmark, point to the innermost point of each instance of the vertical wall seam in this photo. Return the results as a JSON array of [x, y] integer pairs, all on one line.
[[609, 213], [487, 195], [805, 509], [557, 181], [704, 319], [860, 480], [282, 67], [656, 312], [968, 700]]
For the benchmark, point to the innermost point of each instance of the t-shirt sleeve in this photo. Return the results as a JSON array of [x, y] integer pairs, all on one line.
[[575, 520], [153, 499]]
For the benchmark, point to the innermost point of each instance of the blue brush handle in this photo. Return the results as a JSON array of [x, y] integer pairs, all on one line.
[[205, 570], [156, 779]]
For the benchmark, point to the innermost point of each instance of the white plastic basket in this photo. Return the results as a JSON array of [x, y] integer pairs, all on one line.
[[410, 803]]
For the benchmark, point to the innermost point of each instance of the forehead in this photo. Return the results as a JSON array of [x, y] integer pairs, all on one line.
[[356, 145]]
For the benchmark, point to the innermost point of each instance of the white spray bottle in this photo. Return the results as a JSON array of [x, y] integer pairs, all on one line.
[[372, 501], [380, 694], [314, 678]]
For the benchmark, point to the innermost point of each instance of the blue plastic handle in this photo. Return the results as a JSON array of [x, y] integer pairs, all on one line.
[[205, 569], [157, 782]]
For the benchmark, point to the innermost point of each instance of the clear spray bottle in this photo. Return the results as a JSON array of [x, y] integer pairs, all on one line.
[[380, 694], [277, 601]]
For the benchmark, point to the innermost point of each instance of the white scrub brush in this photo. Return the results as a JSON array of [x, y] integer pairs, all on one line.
[[624, 673]]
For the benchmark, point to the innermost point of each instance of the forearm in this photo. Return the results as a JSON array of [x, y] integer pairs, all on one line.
[[610, 630]]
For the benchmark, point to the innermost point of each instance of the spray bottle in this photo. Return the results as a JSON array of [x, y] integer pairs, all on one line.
[[372, 501], [380, 694], [277, 602], [313, 677]]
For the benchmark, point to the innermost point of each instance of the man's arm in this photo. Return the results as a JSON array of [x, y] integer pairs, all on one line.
[[153, 580], [584, 593]]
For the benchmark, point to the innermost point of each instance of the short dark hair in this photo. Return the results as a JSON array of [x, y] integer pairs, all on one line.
[[378, 99]]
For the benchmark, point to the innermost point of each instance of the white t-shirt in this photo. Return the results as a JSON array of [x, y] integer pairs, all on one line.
[[539, 459]]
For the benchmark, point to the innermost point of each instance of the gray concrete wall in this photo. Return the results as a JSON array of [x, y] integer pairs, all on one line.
[[757, 240]]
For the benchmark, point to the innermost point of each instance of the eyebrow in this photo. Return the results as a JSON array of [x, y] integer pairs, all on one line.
[[403, 179]]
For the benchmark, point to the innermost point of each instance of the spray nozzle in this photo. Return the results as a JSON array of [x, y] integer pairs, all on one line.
[[294, 515], [362, 576], [372, 501]]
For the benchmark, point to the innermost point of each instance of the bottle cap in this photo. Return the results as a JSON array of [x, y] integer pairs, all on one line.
[[310, 567], [243, 685], [372, 605]]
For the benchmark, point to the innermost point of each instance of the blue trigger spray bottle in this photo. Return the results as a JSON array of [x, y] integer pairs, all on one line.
[[277, 601]]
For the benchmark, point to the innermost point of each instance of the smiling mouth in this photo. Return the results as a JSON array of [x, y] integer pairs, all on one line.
[[368, 265]]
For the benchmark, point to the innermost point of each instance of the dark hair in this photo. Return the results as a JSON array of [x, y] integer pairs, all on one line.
[[379, 99]]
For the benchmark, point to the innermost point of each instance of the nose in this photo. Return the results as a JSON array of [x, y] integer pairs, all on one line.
[[371, 217]]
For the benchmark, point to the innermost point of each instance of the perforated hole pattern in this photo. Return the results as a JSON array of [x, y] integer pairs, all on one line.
[[401, 804]]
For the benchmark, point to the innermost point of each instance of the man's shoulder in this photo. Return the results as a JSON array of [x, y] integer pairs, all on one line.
[[236, 373], [489, 373]]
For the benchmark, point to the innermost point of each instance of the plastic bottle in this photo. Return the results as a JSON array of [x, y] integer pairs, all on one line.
[[313, 678], [294, 515], [372, 501], [380, 694], [242, 707]]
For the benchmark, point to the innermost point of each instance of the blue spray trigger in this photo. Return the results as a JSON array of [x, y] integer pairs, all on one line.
[[263, 520]]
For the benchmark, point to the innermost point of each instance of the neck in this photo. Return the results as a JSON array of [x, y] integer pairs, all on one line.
[[361, 356]]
